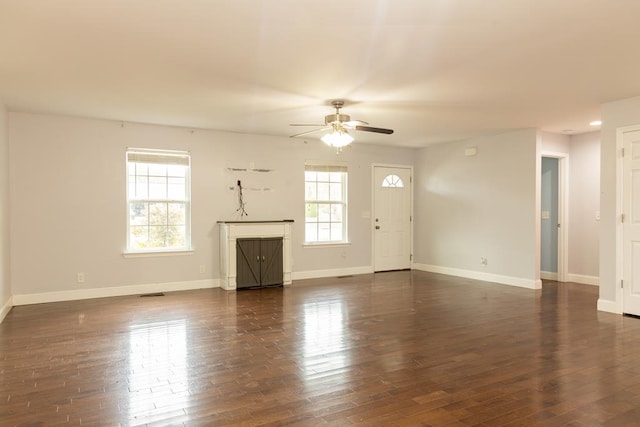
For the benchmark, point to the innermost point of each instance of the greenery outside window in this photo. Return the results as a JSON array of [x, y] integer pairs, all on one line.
[[158, 201], [325, 203]]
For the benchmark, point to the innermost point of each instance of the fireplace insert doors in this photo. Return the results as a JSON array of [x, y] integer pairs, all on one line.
[[259, 262]]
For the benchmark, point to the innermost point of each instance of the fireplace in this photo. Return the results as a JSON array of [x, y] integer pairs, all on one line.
[[254, 237]]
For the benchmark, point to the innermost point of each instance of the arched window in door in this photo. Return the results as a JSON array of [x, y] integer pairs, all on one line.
[[393, 181]]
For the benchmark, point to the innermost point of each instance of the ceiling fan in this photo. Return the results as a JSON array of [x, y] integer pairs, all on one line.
[[338, 126]]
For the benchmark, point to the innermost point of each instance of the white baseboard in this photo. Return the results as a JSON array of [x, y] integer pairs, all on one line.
[[548, 275], [609, 306], [584, 280], [113, 291], [317, 274], [478, 275], [6, 308]]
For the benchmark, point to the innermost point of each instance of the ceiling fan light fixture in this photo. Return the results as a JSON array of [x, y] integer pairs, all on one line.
[[337, 138], [337, 125]]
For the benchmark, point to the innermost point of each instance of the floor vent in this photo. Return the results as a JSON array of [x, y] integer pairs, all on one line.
[[155, 294]]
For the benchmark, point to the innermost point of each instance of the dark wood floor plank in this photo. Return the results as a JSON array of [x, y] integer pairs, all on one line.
[[399, 349]]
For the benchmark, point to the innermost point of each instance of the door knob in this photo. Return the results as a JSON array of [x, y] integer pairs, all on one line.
[[377, 227]]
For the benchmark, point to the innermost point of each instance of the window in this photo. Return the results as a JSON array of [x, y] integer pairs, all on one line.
[[158, 198], [393, 181], [325, 203]]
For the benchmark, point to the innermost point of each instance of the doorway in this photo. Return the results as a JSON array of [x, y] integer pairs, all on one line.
[[553, 217], [549, 219], [392, 218]]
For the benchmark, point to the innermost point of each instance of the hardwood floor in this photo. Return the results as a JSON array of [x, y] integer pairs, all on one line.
[[399, 349]]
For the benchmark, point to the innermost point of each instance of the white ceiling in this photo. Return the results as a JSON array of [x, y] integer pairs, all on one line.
[[433, 70]]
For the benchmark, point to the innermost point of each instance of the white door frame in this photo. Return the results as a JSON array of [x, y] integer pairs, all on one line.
[[619, 303], [563, 212], [373, 209]]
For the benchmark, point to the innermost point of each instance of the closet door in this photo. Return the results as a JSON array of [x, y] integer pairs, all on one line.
[[248, 263], [271, 257]]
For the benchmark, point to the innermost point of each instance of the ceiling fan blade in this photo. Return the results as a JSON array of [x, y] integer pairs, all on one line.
[[353, 123], [310, 131], [376, 130], [306, 124]]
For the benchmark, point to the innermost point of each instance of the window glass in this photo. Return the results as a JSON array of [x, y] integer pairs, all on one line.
[[158, 195], [392, 181], [325, 203]]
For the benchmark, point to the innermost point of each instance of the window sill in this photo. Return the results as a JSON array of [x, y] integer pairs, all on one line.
[[325, 245], [157, 253]]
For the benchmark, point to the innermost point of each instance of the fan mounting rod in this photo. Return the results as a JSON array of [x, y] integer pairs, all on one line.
[[337, 117]]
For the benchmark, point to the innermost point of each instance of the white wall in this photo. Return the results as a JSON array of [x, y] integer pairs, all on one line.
[[615, 115], [5, 276], [68, 201], [479, 206], [584, 203], [555, 143]]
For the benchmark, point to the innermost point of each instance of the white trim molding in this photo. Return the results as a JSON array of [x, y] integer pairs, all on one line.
[[609, 306], [6, 308], [485, 277], [583, 280], [573, 278], [549, 275], [113, 291], [150, 254]]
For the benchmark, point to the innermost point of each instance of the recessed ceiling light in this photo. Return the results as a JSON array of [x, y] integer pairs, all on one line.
[[595, 123]]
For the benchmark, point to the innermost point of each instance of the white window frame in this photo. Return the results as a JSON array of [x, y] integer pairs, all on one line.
[[163, 157], [392, 181], [328, 167]]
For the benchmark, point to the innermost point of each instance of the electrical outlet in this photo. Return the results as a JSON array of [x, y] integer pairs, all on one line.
[[483, 261], [80, 277], [202, 270]]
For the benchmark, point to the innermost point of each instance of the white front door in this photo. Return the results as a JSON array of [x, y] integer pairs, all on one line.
[[392, 218], [631, 223]]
